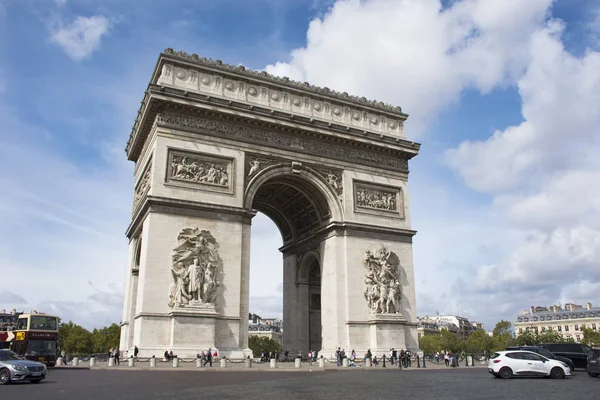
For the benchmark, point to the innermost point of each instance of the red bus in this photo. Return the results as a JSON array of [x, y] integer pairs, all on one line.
[[32, 335]]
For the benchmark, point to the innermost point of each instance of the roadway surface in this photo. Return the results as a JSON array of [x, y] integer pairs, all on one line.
[[355, 383]]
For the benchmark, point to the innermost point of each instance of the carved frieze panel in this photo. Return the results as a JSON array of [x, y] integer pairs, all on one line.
[[200, 171], [196, 269], [254, 164], [143, 185], [378, 199], [382, 281], [284, 140]]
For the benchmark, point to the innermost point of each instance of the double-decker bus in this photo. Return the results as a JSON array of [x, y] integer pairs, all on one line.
[[33, 335]]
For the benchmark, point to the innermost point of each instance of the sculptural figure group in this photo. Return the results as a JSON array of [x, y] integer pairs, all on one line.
[[194, 269], [194, 170], [382, 282], [376, 199]]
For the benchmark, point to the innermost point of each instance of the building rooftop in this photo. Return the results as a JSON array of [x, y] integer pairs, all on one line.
[[570, 311]]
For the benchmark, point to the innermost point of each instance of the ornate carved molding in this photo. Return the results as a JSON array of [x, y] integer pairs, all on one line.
[[199, 170], [334, 179], [382, 282], [143, 186], [373, 198], [283, 140], [240, 69]]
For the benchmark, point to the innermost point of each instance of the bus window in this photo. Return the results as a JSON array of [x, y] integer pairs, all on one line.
[[22, 324], [41, 323]]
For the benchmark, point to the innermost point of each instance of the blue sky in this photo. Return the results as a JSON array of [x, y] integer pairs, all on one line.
[[501, 94]]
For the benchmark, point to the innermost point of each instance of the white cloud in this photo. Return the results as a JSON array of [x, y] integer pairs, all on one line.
[[536, 238], [82, 37], [60, 3], [413, 53], [542, 175]]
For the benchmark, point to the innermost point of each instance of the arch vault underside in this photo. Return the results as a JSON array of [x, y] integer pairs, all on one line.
[[213, 144]]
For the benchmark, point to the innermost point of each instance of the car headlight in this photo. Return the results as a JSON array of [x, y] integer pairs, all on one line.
[[20, 368]]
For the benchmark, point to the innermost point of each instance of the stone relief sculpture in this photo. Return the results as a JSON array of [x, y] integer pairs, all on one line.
[[143, 186], [195, 269], [334, 179], [196, 170], [382, 282], [376, 199]]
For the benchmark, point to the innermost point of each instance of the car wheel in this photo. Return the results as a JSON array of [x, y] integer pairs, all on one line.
[[4, 376], [505, 373], [557, 373], [35, 380], [593, 374]]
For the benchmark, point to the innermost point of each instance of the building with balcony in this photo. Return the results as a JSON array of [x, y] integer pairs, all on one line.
[[568, 321]]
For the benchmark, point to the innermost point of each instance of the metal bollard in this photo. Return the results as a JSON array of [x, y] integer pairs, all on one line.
[[223, 363], [248, 362], [418, 362], [345, 363], [198, 362], [131, 362], [472, 361], [92, 361], [153, 362], [383, 366], [75, 361], [297, 362], [111, 362], [424, 366], [175, 362], [321, 362], [272, 363]]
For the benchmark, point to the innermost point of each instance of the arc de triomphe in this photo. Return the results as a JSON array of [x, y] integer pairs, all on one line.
[[214, 143]]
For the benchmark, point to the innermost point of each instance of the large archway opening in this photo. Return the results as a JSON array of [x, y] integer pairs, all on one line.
[[298, 210]]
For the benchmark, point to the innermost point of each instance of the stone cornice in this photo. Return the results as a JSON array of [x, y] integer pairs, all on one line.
[[219, 84], [283, 81], [184, 207]]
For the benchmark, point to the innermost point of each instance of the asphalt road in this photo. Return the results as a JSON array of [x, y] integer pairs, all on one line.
[[352, 384]]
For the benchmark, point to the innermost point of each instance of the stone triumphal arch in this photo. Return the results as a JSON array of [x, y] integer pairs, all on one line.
[[215, 143]]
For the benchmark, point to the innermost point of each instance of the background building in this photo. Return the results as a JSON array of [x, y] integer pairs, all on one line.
[[453, 323], [266, 327], [568, 321]]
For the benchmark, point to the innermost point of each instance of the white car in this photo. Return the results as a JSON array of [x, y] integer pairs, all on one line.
[[504, 364]]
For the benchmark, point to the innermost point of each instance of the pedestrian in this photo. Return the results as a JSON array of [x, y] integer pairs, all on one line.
[[208, 358], [135, 352], [117, 356]]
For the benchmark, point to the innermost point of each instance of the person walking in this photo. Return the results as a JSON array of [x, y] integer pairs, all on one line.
[[117, 357], [135, 352], [208, 358]]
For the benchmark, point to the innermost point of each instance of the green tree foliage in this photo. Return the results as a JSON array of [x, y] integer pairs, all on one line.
[[526, 338], [75, 339], [478, 342], [79, 341], [590, 337], [530, 338], [258, 344], [503, 336], [106, 338]]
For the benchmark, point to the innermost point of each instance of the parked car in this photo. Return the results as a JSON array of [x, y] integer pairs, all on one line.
[[14, 368], [508, 363], [593, 368], [576, 352], [542, 351]]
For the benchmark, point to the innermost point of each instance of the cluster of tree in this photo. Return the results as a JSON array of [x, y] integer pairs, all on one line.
[[479, 341], [75, 339], [258, 344]]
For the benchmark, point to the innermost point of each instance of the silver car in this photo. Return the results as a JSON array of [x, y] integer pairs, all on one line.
[[14, 368]]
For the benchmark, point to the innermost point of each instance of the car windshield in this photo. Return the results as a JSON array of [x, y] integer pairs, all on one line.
[[41, 348], [9, 355]]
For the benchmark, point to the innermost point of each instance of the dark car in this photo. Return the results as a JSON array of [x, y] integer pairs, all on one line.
[[543, 352], [593, 368], [576, 352]]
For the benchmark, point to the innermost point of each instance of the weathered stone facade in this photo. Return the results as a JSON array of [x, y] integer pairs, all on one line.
[[213, 144]]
